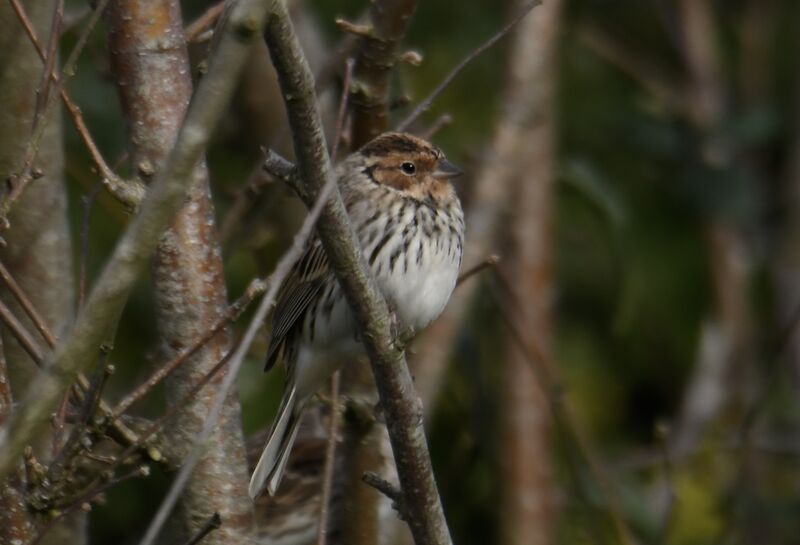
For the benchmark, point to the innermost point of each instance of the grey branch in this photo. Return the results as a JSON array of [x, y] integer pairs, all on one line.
[[79, 347], [426, 517]]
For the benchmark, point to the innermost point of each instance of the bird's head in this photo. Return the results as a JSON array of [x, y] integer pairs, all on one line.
[[409, 165]]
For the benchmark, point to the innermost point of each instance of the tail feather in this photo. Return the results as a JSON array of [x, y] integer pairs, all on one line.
[[273, 459], [275, 476]]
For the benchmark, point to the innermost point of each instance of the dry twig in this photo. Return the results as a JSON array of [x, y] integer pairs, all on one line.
[[135, 247]]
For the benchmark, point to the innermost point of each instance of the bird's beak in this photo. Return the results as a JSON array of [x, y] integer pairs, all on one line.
[[446, 170]]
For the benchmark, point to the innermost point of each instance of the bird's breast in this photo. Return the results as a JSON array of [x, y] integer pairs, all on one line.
[[414, 251]]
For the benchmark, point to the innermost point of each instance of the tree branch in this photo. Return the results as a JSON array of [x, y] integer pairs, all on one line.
[[166, 195], [401, 406], [150, 63], [377, 55]]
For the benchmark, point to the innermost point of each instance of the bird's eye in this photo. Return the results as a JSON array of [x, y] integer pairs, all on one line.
[[408, 168]]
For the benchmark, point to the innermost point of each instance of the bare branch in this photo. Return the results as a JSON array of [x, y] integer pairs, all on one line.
[[15, 525], [377, 55], [490, 261], [442, 122], [150, 63], [340, 118], [27, 173], [280, 168], [423, 106], [401, 406], [130, 193], [281, 271], [166, 195], [43, 91], [208, 18], [256, 288], [387, 489], [330, 460], [121, 432], [21, 334], [85, 499]]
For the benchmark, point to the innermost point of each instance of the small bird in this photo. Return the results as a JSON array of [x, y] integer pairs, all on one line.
[[410, 227]]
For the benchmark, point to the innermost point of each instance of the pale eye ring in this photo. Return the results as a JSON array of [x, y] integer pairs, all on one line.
[[408, 168]]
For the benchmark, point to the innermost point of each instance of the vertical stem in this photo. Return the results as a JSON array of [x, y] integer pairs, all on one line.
[[150, 64], [38, 251], [377, 54], [15, 522], [527, 140]]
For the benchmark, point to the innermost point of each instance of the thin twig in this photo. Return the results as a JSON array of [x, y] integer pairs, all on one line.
[[74, 442], [235, 310], [204, 22], [214, 522], [171, 411], [21, 334], [490, 261], [43, 90], [26, 173], [122, 432], [26, 304], [87, 202], [337, 135], [141, 471], [59, 423], [279, 167], [388, 489], [165, 196], [443, 121], [330, 461], [425, 104], [276, 280]]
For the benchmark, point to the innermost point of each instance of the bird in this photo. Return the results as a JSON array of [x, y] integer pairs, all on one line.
[[409, 224]]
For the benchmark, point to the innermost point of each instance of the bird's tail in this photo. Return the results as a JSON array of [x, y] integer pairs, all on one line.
[[272, 463]]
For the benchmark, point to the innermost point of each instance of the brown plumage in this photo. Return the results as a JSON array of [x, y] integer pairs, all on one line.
[[410, 226]]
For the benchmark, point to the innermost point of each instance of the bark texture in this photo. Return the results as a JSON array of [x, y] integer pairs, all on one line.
[[527, 136], [377, 55], [150, 64], [38, 251], [79, 346], [15, 521]]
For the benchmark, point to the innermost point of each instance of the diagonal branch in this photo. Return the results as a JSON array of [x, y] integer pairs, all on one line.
[[80, 345], [401, 405]]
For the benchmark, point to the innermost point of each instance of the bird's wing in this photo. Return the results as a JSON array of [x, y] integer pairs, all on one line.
[[303, 284]]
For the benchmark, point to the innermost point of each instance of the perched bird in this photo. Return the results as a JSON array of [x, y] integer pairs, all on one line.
[[410, 226]]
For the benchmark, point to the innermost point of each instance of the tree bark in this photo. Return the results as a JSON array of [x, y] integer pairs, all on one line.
[[377, 55], [527, 143], [38, 251], [150, 64]]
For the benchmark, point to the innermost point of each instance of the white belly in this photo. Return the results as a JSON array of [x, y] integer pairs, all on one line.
[[420, 294]]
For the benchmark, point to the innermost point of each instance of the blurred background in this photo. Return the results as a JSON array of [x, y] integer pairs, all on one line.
[[628, 372]]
